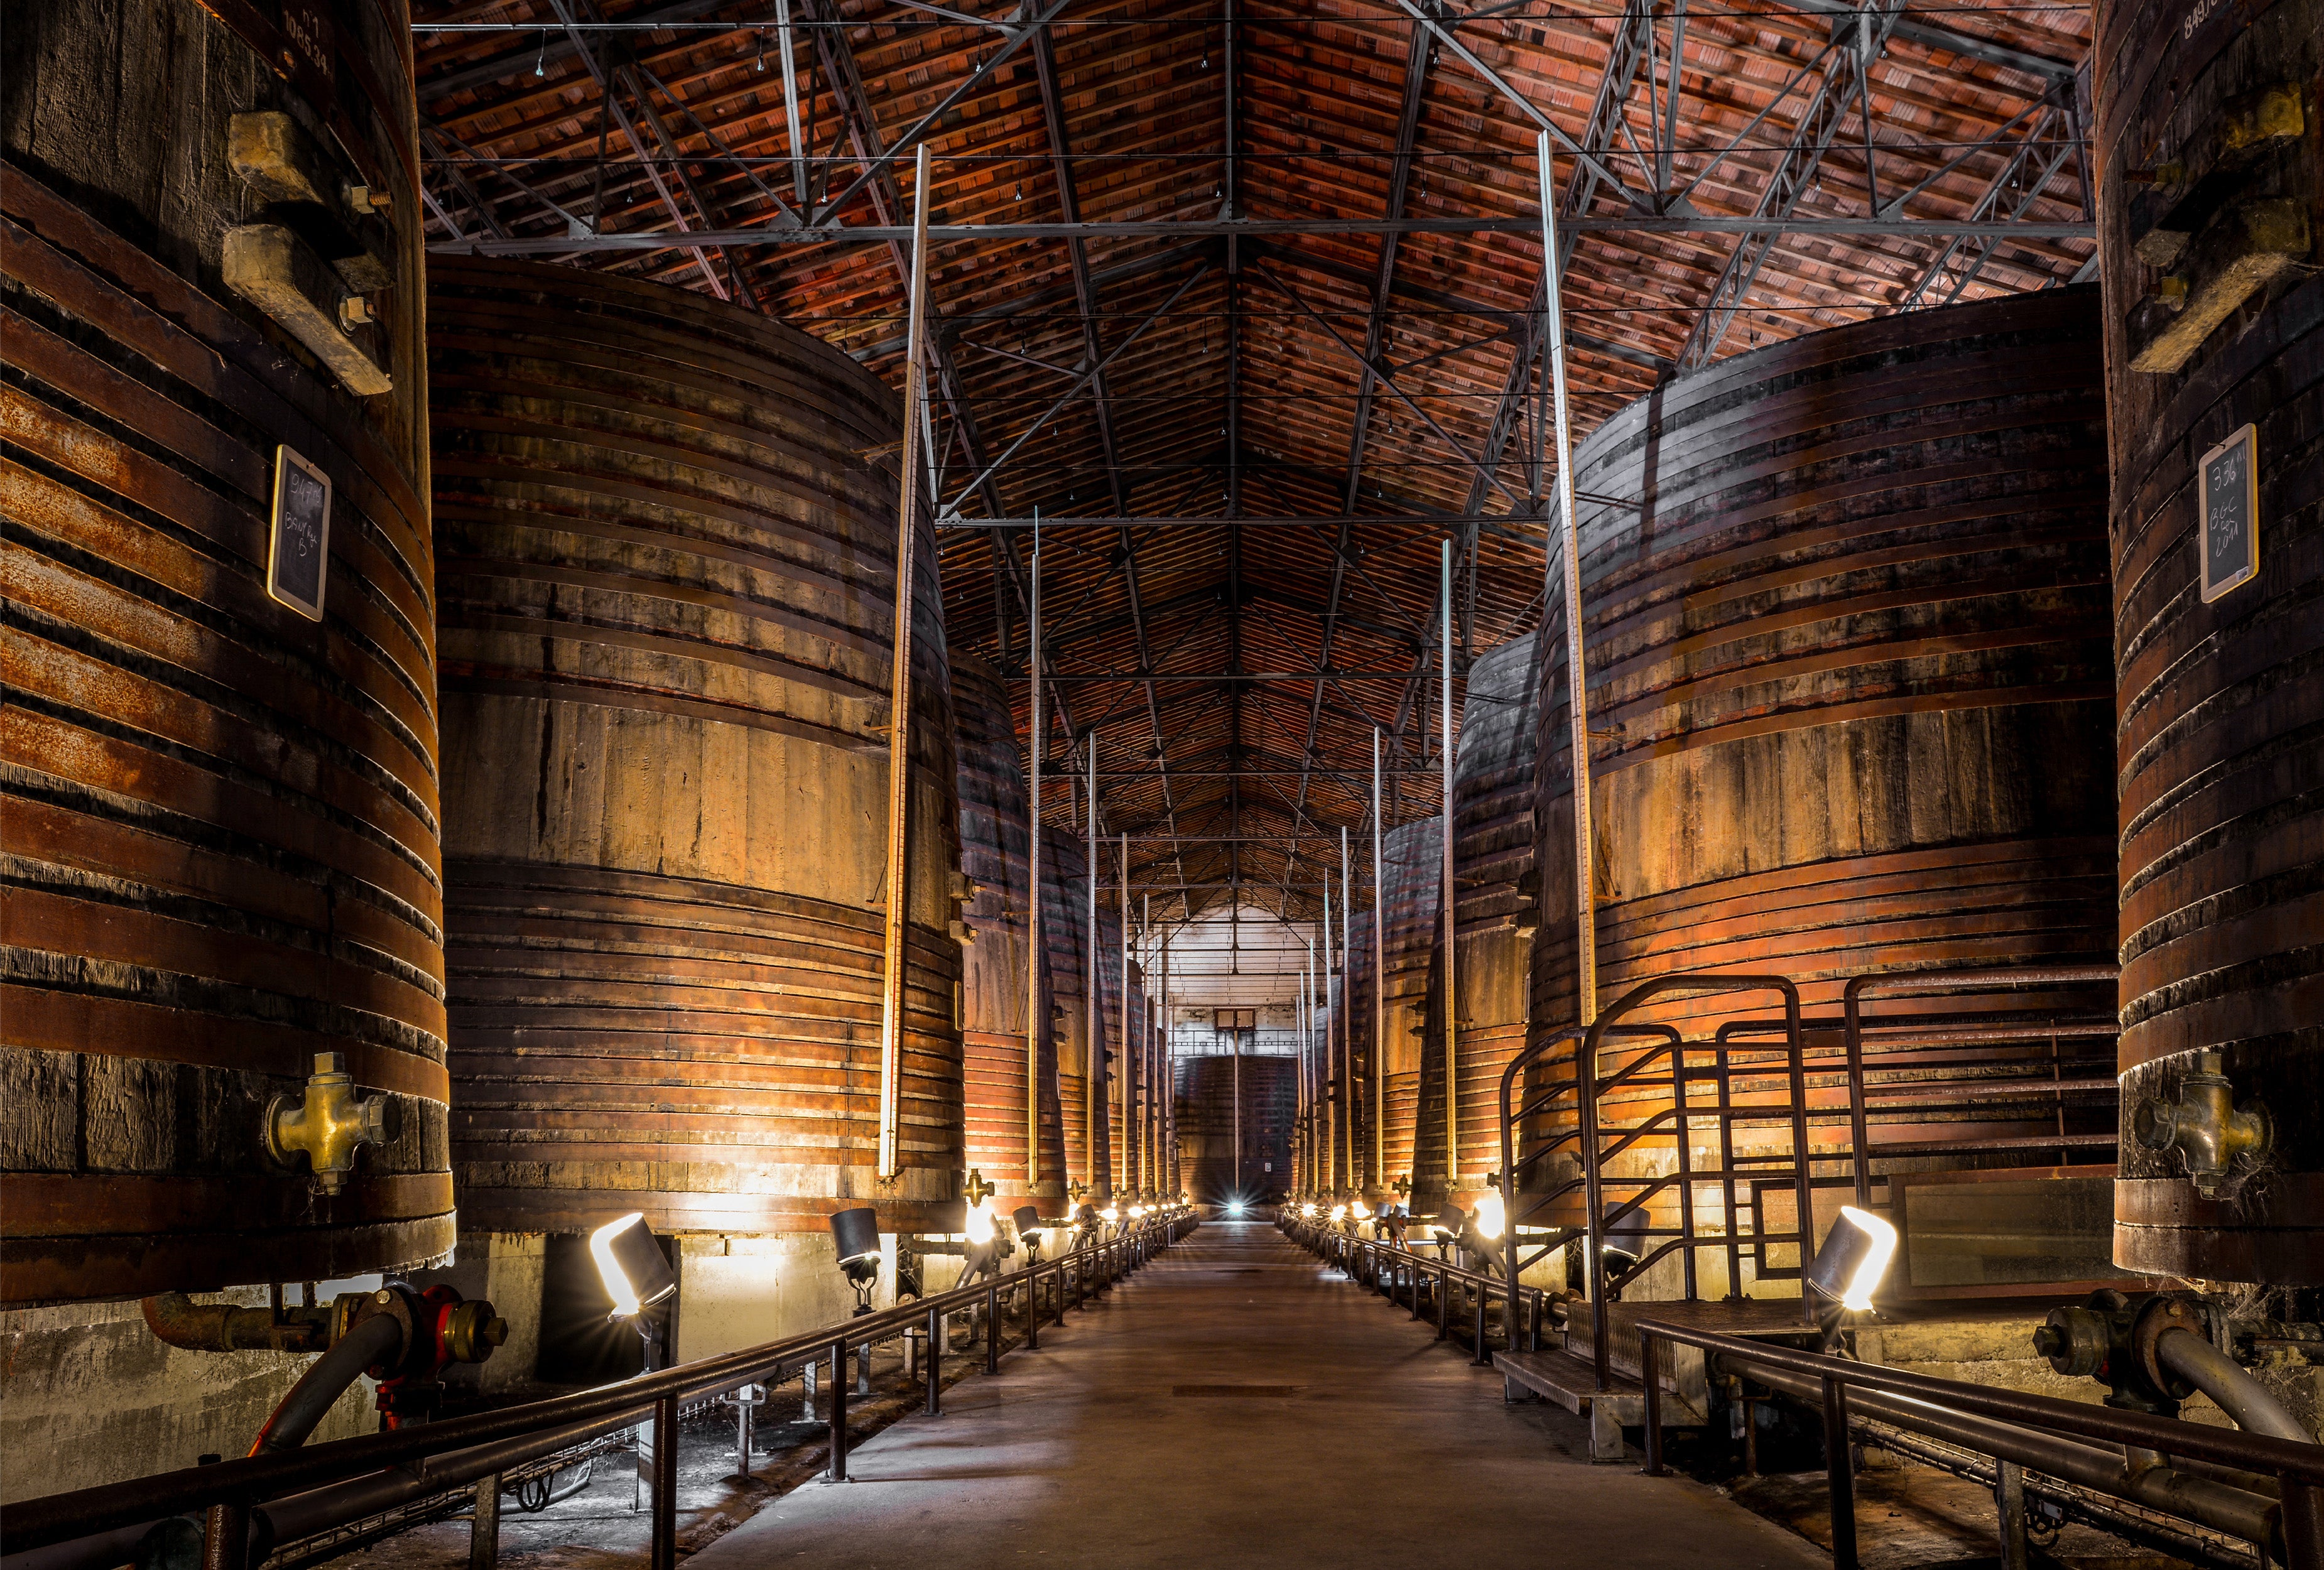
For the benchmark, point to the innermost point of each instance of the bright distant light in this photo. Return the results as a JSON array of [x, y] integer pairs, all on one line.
[[1339, 1212], [1110, 1214], [1489, 1215], [980, 1222], [1234, 1206]]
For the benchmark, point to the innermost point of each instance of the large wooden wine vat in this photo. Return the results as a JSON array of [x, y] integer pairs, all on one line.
[[1850, 680], [222, 815], [1206, 1091], [1127, 1037], [2220, 745], [1004, 1119], [1495, 914], [667, 570], [1412, 871], [1066, 934]]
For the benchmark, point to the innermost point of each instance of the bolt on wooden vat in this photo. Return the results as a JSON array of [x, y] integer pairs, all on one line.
[[995, 841], [2211, 155], [666, 552], [1848, 683]]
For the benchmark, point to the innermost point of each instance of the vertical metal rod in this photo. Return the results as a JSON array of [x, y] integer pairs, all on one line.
[[2303, 1525], [1379, 983], [1689, 1266], [1726, 1173], [1129, 1173], [1332, 1092], [665, 1485], [484, 1522], [992, 1326], [1166, 1065], [791, 101], [1151, 1120], [836, 1471], [1234, 1039], [899, 688], [1347, 1010], [936, 1356], [226, 1538], [2009, 1506], [743, 1408], [1302, 1025], [1577, 685], [1037, 1011], [1802, 1169], [1651, 1378], [1451, 987], [1840, 1472], [1860, 1137], [1093, 1090]]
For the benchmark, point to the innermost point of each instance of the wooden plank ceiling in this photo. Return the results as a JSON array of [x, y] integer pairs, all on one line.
[[1271, 388]]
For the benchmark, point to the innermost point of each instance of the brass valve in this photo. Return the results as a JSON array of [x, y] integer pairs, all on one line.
[[329, 1124], [2206, 1127]]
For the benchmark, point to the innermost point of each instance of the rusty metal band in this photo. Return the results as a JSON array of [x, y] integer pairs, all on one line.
[[88, 1269]]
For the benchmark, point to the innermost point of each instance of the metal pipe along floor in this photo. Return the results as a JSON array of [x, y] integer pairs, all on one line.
[[1238, 1401]]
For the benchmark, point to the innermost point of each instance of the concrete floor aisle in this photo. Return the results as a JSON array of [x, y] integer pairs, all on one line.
[[1365, 1444]]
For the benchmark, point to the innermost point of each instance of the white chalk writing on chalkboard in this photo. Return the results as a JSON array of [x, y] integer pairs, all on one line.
[[2229, 481], [299, 544]]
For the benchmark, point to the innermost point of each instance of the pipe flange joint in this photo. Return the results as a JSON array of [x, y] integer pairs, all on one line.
[[2157, 1316], [396, 1301], [2078, 1340]]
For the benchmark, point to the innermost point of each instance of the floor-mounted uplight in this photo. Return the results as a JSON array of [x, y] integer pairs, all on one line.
[[856, 1234], [1854, 1259], [637, 1276], [1027, 1219], [1850, 1267]]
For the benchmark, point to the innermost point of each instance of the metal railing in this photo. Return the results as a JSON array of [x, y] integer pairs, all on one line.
[[1396, 1272], [1667, 1060], [1913, 1084], [249, 1504], [1769, 1071], [2133, 1456]]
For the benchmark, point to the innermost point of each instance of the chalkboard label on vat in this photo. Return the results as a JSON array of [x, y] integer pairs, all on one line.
[[2230, 482], [298, 545]]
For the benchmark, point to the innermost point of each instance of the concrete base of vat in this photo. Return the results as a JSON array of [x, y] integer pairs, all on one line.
[[88, 1396], [733, 1291], [739, 1291], [1994, 1347]]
